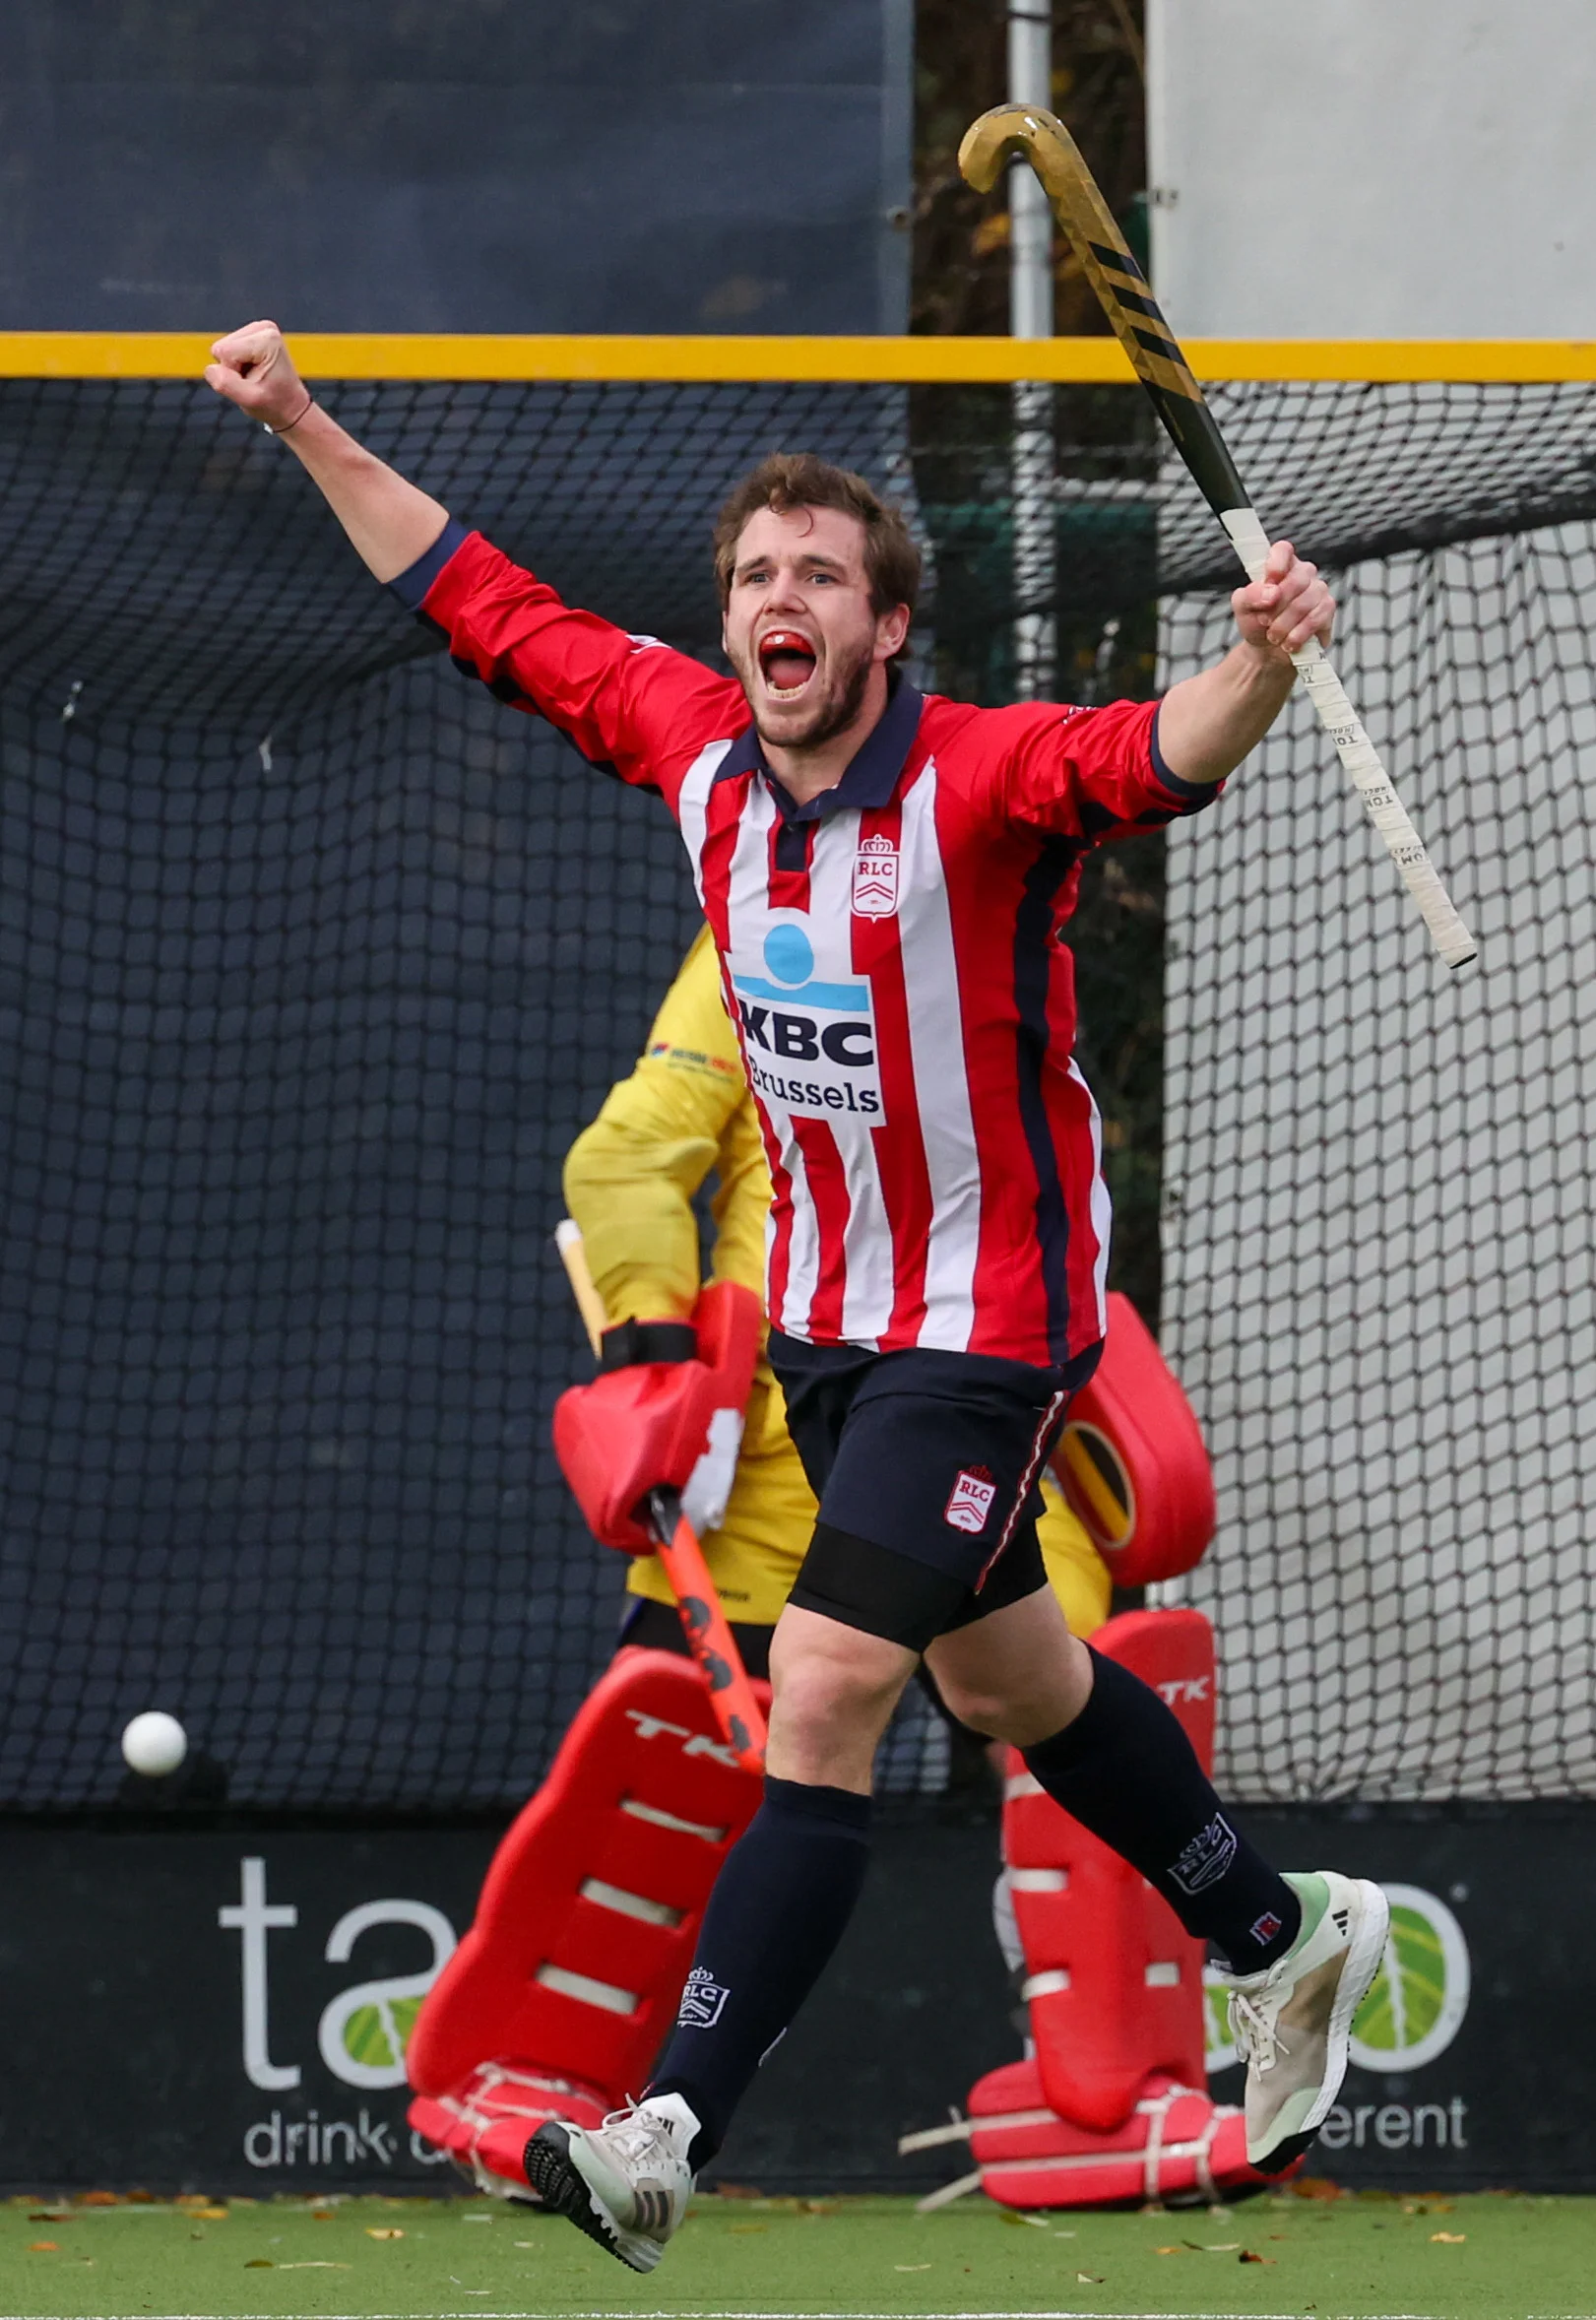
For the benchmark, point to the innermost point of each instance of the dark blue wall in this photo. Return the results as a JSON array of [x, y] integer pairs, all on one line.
[[471, 165]]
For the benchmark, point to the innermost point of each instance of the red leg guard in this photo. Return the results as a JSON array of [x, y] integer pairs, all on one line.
[[558, 1998], [486, 2122], [1114, 1985], [1176, 2145]]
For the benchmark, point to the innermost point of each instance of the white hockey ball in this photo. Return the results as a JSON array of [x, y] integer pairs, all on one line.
[[155, 1744]]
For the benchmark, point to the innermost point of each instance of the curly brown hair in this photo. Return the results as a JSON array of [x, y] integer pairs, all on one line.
[[799, 479]]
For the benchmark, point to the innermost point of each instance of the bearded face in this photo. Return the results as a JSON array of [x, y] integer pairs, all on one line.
[[800, 631]]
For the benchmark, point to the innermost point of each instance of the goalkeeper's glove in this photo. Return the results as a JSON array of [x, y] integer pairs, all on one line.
[[665, 1413]]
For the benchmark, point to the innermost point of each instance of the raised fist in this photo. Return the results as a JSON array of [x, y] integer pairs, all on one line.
[[253, 368]]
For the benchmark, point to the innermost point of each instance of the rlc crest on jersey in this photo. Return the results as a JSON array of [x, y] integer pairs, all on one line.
[[876, 878]]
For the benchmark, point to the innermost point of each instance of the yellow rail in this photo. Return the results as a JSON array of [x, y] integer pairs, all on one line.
[[160, 354]]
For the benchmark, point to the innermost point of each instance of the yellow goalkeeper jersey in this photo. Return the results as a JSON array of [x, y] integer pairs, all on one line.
[[686, 1115]]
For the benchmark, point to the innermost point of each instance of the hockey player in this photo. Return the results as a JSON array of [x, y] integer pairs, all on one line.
[[1147, 2129], [886, 875]]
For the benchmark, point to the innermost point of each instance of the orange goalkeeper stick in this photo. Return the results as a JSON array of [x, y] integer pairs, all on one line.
[[682, 1558]]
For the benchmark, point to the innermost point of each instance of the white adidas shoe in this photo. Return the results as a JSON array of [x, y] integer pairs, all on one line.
[[1291, 2021], [626, 2184]]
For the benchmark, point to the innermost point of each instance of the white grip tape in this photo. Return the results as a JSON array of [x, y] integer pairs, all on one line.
[[1361, 758]]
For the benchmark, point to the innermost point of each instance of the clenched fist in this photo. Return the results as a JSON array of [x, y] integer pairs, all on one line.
[[1290, 603], [253, 368]]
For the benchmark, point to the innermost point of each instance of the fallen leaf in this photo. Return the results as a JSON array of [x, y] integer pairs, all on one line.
[[1094, 2279], [1013, 2216], [1315, 2187], [141, 2199], [1250, 2256], [313, 2264], [736, 2191], [383, 2231], [45, 2215], [42, 2247], [911, 2266], [97, 2199], [1449, 2238], [209, 2214], [747, 2226], [323, 2215], [1180, 2250], [258, 2264], [523, 2243]]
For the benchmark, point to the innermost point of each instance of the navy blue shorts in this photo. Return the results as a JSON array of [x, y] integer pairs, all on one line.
[[932, 1457]]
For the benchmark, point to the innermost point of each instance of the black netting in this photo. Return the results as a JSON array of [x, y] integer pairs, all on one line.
[[1380, 1220], [314, 958]]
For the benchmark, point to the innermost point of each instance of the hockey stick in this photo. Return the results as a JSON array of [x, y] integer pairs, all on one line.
[[682, 1558], [1031, 134]]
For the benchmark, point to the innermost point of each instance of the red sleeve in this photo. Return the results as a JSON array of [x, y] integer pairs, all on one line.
[[1088, 773], [630, 704]]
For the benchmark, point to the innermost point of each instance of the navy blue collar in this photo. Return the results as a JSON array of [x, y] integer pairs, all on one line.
[[872, 772]]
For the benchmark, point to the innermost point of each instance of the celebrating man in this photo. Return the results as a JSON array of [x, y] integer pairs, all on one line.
[[884, 875]]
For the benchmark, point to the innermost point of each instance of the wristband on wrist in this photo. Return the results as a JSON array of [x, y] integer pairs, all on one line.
[[631, 1342], [307, 405]]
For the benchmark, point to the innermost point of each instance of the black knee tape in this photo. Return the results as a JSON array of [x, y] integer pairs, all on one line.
[[876, 1590]]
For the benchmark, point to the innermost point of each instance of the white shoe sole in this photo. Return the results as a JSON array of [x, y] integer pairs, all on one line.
[[1365, 1952]]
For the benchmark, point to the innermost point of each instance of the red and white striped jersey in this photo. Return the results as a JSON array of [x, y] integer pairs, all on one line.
[[892, 959]]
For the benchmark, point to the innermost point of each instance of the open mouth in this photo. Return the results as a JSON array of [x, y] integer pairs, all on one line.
[[786, 662]]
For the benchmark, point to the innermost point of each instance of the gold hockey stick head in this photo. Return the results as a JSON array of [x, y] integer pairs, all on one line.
[[1031, 134]]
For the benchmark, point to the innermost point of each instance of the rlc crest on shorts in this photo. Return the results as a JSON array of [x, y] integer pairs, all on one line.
[[970, 1501], [876, 878]]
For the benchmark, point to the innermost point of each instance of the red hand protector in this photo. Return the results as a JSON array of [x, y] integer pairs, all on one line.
[[1131, 1461], [662, 1425]]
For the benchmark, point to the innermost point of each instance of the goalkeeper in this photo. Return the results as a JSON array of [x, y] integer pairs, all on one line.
[[684, 1116]]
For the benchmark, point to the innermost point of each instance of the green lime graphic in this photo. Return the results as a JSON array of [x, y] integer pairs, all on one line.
[[377, 2035], [1418, 1999], [1221, 2047]]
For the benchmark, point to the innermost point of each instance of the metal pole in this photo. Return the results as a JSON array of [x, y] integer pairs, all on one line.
[[1030, 316]]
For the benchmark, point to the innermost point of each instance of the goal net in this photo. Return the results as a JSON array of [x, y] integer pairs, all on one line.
[[313, 959], [1377, 1179]]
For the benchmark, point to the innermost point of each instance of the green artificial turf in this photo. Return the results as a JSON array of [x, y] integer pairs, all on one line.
[[1503, 2256]]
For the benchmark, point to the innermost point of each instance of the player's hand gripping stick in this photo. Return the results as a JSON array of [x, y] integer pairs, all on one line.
[[682, 1558], [1032, 134]]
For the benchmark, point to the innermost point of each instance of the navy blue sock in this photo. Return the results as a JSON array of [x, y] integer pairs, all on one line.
[[1126, 1771], [777, 1912]]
